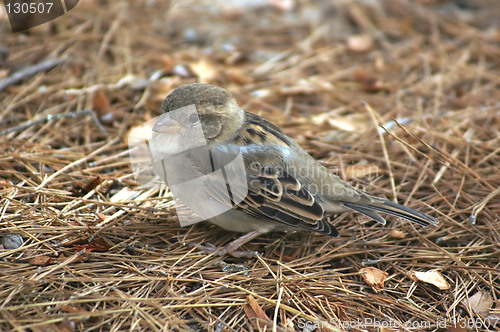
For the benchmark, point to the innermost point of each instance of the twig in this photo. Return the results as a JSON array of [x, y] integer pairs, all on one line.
[[27, 72], [50, 117]]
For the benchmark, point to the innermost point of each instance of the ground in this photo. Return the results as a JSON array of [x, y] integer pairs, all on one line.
[[400, 98]]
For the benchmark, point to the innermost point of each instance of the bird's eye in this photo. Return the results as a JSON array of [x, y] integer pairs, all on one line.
[[193, 118]]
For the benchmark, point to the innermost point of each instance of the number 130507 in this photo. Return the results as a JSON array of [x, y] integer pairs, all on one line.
[[32, 8]]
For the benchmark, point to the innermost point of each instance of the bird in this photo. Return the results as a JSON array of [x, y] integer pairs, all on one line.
[[279, 186]]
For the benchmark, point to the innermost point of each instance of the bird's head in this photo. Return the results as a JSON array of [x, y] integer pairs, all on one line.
[[196, 114]]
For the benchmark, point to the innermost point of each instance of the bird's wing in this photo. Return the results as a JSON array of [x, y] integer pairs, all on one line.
[[279, 196], [272, 192]]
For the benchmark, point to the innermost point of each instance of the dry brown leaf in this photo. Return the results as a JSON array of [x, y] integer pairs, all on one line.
[[41, 260], [432, 277], [92, 184], [374, 277], [80, 188], [365, 76], [256, 308], [256, 315], [369, 80], [397, 234], [100, 102], [481, 302]]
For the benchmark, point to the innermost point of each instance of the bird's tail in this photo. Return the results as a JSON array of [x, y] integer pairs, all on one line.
[[394, 209]]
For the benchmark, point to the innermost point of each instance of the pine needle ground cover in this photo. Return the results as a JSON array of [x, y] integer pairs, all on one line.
[[400, 98]]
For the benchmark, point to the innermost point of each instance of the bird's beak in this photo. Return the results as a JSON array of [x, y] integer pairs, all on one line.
[[167, 125]]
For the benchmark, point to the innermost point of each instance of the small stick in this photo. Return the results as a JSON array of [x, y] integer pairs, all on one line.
[[50, 117], [27, 72]]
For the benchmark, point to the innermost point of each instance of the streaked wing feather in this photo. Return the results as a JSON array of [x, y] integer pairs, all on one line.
[[366, 211], [301, 195], [394, 209], [295, 207]]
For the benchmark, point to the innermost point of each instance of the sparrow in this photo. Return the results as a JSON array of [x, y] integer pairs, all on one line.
[[279, 186]]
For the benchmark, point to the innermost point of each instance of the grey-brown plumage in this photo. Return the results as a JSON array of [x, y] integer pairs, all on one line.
[[287, 188], [197, 94]]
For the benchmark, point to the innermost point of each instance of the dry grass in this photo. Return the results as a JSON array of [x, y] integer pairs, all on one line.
[[92, 263]]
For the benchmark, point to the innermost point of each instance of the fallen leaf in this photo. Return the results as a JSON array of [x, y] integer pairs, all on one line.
[[481, 302], [97, 244], [369, 81], [100, 102], [41, 260], [432, 277], [80, 188], [397, 234], [374, 277], [92, 184], [256, 308], [364, 76], [256, 315]]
